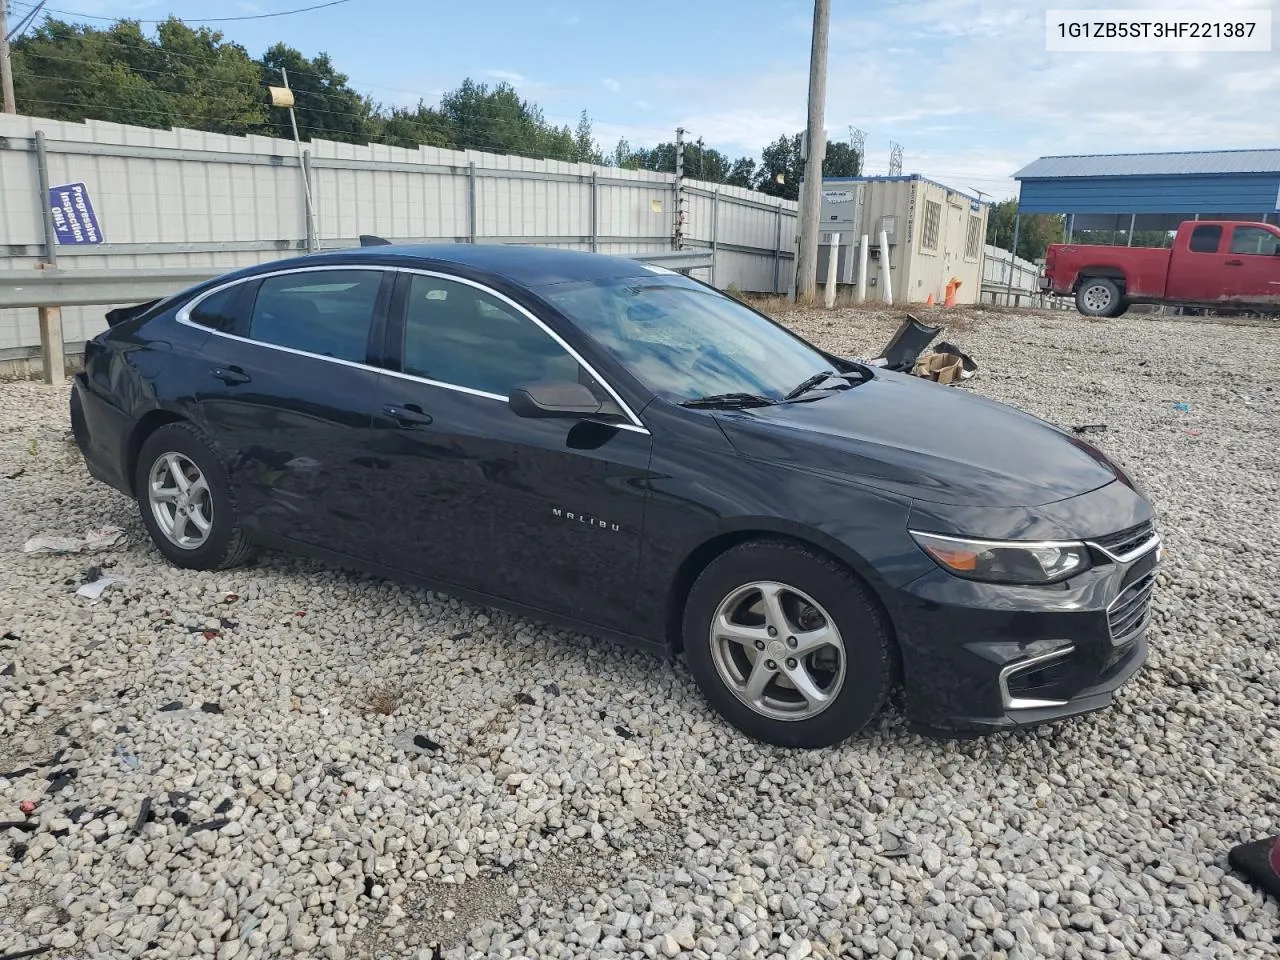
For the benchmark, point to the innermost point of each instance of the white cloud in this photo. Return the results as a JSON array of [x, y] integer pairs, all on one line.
[[612, 85], [507, 76], [967, 88]]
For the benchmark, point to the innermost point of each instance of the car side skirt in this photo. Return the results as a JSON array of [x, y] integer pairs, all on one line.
[[271, 541]]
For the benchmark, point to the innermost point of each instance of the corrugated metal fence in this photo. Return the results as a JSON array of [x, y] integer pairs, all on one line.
[[996, 265], [183, 198]]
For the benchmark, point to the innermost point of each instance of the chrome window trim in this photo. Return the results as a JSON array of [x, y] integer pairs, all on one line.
[[1139, 551], [1029, 703], [183, 316]]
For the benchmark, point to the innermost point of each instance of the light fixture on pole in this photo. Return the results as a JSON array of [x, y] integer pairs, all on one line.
[[283, 97]]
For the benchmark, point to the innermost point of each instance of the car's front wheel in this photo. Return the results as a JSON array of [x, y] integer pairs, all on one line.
[[184, 496], [787, 644]]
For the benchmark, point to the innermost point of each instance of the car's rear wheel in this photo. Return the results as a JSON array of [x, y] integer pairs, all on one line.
[[787, 644], [1099, 297], [185, 499]]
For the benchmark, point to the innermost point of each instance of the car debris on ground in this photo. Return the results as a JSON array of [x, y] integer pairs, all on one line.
[[103, 538], [945, 364]]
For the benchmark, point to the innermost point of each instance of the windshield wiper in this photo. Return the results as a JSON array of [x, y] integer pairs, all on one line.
[[729, 401], [809, 384]]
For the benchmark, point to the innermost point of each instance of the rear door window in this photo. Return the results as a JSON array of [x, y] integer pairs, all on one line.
[[325, 312], [1206, 239]]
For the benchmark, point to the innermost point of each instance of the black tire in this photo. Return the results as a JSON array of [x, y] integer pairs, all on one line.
[[1099, 297], [847, 602], [226, 544]]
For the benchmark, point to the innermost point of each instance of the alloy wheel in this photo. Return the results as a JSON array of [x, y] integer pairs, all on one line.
[[180, 500], [778, 650]]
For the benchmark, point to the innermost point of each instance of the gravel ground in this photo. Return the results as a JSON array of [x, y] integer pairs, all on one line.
[[291, 760]]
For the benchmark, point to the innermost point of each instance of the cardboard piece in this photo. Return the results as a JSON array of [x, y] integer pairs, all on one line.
[[944, 368]]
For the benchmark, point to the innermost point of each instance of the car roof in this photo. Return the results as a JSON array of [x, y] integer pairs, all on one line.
[[526, 266]]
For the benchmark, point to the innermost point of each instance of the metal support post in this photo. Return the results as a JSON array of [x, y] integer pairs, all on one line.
[[1013, 253], [595, 222], [715, 231], [777, 250], [313, 242], [471, 201], [52, 360]]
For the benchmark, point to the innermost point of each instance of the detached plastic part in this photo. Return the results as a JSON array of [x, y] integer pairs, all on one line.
[[1259, 862], [905, 345]]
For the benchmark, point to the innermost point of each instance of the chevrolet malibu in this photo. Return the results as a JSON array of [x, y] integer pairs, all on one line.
[[625, 451]]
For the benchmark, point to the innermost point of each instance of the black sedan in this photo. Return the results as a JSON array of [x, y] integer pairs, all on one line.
[[626, 451]]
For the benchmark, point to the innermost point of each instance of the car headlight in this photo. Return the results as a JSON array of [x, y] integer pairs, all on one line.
[[1005, 561]]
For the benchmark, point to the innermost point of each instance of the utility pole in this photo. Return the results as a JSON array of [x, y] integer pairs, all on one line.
[[6, 67], [811, 189]]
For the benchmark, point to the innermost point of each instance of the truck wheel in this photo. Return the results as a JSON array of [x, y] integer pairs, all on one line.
[[1099, 297]]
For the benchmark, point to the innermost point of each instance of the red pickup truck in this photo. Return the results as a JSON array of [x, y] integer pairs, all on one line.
[[1213, 264]]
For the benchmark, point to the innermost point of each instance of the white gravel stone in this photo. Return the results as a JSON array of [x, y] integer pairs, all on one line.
[[470, 817]]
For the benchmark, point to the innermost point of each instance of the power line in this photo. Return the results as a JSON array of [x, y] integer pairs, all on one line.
[[255, 16]]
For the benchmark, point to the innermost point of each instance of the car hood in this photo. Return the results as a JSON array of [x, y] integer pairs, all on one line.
[[932, 443]]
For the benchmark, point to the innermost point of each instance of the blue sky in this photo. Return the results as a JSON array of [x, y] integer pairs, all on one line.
[[964, 85]]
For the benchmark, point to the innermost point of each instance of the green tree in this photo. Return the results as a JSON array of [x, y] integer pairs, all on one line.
[[325, 106], [780, 168], [585, 148], [742, 173], [841, 160], [185, 76], [214, 85], [421, 126], [1036, 232]]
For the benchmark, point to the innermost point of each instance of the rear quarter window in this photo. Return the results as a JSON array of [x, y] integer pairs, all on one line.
[[219, 311]]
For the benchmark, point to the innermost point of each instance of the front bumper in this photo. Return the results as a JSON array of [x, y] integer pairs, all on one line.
[[985, 657]]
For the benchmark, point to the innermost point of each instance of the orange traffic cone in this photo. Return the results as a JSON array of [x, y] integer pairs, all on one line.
[[929, 300], [952, 287]]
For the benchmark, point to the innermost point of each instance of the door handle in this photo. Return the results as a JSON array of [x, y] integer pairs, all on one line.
[[1235, 263], [406, 416], [230, 375]]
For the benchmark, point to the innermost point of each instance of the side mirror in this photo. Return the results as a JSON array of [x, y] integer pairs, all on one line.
[[558, 398]]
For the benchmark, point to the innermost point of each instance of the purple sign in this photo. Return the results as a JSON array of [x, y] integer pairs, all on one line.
[[74, 222]]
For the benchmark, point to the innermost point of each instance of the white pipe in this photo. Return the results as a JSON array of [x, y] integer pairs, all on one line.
[[862, 268], [884, 267], [833, 259]]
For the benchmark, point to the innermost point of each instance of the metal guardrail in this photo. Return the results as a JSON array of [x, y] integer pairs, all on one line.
[[58, 287]]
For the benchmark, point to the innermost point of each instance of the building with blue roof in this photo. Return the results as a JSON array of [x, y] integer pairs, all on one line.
[[1135, 192]]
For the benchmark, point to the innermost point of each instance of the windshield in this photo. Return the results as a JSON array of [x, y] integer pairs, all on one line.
[[685, 341]]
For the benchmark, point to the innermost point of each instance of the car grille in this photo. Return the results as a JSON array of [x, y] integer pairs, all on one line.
[[1128, 614], [1126, 540]]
